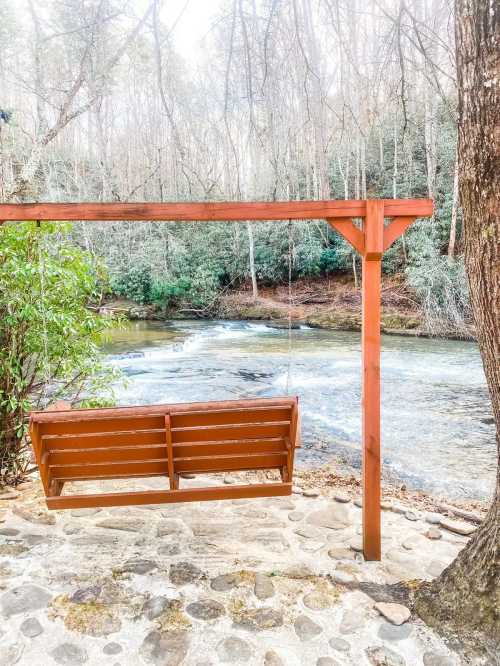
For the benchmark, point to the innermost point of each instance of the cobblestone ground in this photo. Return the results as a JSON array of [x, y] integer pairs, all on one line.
[[273, 581]]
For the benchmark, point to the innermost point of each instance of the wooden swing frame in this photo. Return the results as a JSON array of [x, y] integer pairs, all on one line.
[[370, 240]]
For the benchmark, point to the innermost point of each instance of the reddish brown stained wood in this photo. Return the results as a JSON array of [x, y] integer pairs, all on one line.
[[395, 229], [140, 442], [123, 469], [170, 454], [228, 447], [294, 439], [373, 226], [104, 440], [230, 432], [36, 443], [232, 462], [162, 409], [221, 211], [212, 493], [77, 426], [159, 451], [348, 230], [370, 335], [211, 418], [109, 455]]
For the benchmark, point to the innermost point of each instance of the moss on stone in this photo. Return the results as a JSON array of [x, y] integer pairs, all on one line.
[[173, 618], [92, 618], [12, 549]]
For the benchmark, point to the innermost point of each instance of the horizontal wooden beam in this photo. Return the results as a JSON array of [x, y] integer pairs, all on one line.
[[159, 410], [211, 493], [222, 211]]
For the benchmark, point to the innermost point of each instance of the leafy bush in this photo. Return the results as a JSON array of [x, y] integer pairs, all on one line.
[[168, 294], [135, 283], [441, 285], [205, 287], [329, 260], [49, 339]]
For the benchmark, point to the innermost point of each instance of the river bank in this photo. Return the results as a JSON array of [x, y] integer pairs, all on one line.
[[330, 304]]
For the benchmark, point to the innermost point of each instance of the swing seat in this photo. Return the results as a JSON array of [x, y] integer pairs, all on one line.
[[165, 441]]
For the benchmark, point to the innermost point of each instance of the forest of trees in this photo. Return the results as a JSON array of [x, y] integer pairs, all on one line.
[[291, 100]]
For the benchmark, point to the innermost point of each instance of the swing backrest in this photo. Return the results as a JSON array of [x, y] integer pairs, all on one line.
[[163, 440]]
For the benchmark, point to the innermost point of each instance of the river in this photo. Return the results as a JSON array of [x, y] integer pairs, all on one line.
[[437, 426]]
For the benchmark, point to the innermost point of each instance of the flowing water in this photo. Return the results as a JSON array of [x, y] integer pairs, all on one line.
[[437, 427]]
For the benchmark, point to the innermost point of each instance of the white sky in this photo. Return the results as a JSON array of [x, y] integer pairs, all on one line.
[[194, 23]]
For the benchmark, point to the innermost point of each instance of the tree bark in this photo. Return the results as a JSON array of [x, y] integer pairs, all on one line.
[[466, 597], [454, 212]]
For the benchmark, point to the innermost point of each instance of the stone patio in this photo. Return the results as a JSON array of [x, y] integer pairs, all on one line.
[[273, 581]]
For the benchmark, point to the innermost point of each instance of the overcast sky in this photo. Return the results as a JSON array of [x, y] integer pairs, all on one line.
[[194, 19]]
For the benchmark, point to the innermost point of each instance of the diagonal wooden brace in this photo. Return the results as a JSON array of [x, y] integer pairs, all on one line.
[[349, 231], [395, 229]]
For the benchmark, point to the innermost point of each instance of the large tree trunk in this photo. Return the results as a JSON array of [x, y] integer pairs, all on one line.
[[466, 597]]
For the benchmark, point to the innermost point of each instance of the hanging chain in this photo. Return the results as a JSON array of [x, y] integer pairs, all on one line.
[[289, 352], [45, 341]]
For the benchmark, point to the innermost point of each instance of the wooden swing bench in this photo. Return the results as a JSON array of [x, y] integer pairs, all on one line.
[[166, 441]]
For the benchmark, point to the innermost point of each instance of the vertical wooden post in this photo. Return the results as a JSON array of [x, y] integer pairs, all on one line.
[[371, 286]]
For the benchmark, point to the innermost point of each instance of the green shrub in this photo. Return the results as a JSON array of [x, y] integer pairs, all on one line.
[[442, 288], [49, 338], [168, 294], [135, 283]]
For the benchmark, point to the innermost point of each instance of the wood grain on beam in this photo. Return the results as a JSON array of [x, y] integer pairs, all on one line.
[[223, 211], [211, 493]]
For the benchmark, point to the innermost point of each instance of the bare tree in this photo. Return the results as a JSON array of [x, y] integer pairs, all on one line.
[[70, 105]]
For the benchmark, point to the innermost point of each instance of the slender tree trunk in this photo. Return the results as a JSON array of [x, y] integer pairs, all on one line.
[[395, 162], [251, 254], [465, 599], [454, 211]]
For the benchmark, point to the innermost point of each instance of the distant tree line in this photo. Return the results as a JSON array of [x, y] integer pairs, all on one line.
[[294, 100]]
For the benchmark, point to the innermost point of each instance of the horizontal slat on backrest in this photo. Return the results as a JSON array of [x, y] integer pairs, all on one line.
[[231, 462], [227, 448], [88, 426], [136, 453], [106, 440], [148, 410], [110, 470], [229, 416], [232, 432]]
